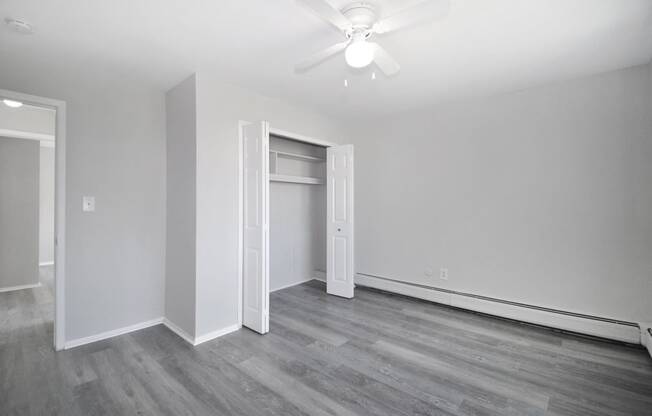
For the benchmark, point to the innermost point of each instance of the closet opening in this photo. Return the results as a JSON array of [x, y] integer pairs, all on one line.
[[297, 212], [296, 217]]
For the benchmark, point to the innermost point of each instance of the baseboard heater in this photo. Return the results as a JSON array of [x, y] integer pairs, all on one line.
[[596, 326], [647, 337]]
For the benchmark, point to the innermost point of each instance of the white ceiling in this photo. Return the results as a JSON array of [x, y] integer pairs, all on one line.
[[481, 47]]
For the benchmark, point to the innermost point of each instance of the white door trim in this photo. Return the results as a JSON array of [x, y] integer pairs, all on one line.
[[299, 137], [19, 134], [59, 208], [240, 137]]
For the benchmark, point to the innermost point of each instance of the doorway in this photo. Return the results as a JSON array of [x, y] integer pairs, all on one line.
[[261, 164], [38, 186]]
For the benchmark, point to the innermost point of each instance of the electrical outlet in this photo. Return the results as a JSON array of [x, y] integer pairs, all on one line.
[[428, 272], [443, 273]]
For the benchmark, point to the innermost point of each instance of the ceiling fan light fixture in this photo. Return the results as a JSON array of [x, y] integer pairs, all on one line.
[[359, 53], [360, 21]]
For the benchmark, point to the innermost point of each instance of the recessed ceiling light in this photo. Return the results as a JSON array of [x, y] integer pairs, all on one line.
[[12, 103], [19, 26]]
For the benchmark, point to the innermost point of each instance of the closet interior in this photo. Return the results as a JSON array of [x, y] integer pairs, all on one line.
[[297, 211]]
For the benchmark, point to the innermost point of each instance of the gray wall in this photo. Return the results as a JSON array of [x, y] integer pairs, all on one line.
[[541, 196], [19, 212], [46, 206], [115, 151], [181, 206], [220, 106], [297, 239]]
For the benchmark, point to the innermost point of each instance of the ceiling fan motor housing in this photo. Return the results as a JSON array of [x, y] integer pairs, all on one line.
[[361, 14]]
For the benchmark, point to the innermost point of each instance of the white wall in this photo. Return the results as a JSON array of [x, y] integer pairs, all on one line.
[[46, 206], [116, 152], [541, 196], [181, 206], [219, 108]]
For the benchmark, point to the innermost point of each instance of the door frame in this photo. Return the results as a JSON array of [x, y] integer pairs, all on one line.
[[59, 207], [272, 132]]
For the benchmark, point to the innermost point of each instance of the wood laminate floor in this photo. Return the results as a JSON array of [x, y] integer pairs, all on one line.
[[376, 354]]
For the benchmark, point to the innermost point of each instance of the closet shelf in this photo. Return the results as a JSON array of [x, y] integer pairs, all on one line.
[[296, 179], [296, 156]]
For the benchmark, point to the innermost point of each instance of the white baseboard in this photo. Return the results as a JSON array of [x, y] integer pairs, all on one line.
[[21, 287], [46, 263], [113, 333], [290, 285], [177, 330], [603, 329], [319, 275], [170, 325], [216, 334], [202, 338]]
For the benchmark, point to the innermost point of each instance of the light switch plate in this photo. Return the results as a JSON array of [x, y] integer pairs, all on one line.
[[88, 204]]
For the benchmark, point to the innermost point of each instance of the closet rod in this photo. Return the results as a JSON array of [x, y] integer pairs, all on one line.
[[298, 156]]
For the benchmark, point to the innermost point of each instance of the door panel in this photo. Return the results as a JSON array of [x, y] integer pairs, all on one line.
[[340, 233], [339, 250], [255, 143]]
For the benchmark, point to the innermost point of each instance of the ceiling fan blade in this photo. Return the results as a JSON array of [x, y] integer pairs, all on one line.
[[385, 62], [320, 56], [327, 12], [427, 10]]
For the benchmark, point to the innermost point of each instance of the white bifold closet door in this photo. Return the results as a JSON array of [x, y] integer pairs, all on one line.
[[340, 233], [255, 137], [255, 258]]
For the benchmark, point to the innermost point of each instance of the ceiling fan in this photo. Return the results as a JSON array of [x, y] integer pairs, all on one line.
[[360, 22]]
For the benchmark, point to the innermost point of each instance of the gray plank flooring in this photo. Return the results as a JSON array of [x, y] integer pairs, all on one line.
[[377, 354]]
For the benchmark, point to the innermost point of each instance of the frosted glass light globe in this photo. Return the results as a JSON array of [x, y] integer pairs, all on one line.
[[359, 53]]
